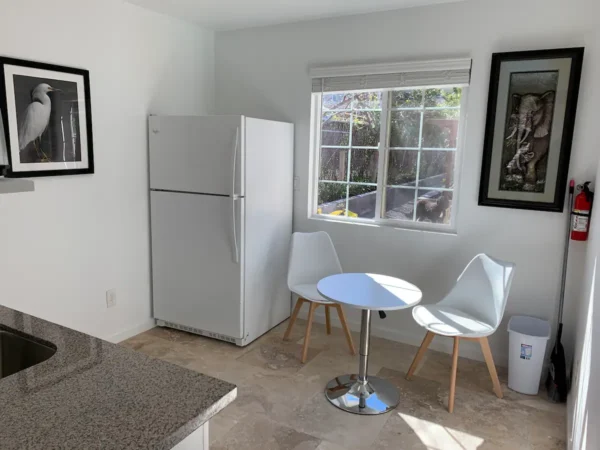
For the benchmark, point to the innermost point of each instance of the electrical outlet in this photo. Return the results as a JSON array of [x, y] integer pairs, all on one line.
[[296, 183], [111, 298]]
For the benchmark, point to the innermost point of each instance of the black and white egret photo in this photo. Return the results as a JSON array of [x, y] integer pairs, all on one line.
[[47, 117], [46, 111]]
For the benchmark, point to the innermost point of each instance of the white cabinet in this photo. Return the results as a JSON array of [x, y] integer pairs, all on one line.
[[198, 440]]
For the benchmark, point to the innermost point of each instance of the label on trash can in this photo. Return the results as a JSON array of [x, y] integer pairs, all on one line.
[[526, 351]]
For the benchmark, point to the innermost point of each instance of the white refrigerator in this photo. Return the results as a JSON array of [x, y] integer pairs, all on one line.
[[221, 193]]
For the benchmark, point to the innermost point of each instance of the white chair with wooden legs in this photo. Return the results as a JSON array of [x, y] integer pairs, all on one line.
[[312, 258], [471, 311]]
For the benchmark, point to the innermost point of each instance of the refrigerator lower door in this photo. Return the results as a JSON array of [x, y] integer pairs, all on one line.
[[196, 267]]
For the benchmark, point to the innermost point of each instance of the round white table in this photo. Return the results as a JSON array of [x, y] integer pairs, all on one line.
[[361, 394]]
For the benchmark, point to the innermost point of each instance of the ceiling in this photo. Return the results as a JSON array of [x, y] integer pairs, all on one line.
[[236, 14]]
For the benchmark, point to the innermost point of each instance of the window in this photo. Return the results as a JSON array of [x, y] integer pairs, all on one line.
[[388, 155]]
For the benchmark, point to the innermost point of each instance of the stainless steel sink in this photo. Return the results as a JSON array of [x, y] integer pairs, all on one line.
[[19, 353]]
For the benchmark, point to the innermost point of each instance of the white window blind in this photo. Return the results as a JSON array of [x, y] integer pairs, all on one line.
[[389, 76]]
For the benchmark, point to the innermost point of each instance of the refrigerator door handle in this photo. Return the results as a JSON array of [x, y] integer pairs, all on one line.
[[236, 250], [234, 162], [234, 197]]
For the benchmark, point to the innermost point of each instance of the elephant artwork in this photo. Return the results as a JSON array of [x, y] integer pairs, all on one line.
[[528, 132], [531, 113]]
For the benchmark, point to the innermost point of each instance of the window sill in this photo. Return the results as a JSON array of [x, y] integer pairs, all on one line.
[[423, 227]]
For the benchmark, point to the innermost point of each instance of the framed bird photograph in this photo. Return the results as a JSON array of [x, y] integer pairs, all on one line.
[[47, 119], [530, 121]]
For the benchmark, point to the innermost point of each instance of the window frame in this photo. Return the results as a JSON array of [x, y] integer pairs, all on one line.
[[383, 162]]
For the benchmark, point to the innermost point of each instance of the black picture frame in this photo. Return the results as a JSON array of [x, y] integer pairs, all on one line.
[[7, 114], [560, 183]]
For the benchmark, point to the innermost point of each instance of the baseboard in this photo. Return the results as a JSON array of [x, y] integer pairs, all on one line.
[[470, 350], [144, 326]]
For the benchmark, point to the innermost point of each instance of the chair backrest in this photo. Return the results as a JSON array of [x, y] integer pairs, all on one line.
[[482, 289], [312, 257]]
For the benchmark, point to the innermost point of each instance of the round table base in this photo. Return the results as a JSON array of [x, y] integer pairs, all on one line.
[[377, 396]]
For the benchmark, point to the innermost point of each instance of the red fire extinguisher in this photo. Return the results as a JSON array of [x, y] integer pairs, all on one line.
[[582, 208]]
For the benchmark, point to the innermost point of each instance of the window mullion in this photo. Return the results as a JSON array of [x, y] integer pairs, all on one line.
[[349, 160], [317, 139], [382, 152], [419, 156]]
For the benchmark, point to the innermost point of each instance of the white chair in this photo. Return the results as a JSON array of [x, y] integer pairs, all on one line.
[[312, 258], [472, 311]]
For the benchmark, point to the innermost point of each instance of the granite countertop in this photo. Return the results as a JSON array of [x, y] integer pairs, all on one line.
[[92, 394]]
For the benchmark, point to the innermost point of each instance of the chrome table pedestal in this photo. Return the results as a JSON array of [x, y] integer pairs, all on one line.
[[361, 394]]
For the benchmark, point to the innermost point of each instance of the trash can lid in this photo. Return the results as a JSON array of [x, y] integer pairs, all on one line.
[[529, 326]]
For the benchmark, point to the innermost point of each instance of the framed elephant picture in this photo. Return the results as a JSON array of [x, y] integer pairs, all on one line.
[[530, 120]]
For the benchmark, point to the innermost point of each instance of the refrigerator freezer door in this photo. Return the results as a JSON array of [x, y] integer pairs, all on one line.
[[196, 280], [203, 154]]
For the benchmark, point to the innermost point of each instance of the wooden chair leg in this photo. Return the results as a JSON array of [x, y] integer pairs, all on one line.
[[453, 375], [420, 353], [342, 317], [327, 319], [299, 304], [489, 360], [311, 313]]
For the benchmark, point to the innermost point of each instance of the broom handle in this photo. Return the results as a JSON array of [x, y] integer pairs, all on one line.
[[566, 253]]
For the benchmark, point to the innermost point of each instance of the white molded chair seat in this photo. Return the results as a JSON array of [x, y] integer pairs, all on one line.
[[449, 321], [309, 292]]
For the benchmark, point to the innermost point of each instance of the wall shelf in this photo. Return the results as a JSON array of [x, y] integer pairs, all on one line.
[[14, 185]]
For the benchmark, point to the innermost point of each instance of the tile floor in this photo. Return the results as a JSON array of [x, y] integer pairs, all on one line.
[[280, 404]]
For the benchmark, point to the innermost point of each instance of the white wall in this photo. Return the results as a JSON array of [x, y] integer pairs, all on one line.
[[263, 72], [75, 237], [584, 400]]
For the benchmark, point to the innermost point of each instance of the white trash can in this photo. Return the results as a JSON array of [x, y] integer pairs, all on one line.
[[528, 337]]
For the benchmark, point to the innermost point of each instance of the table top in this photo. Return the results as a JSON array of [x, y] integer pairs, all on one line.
[[369, 291]]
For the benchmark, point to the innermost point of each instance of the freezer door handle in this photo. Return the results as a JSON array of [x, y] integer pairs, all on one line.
[[236, 144]]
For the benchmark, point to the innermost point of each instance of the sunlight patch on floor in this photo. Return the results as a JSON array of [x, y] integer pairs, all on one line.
[[438, 437]]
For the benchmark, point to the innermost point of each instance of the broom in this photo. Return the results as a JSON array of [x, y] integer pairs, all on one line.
[[556, 383]]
